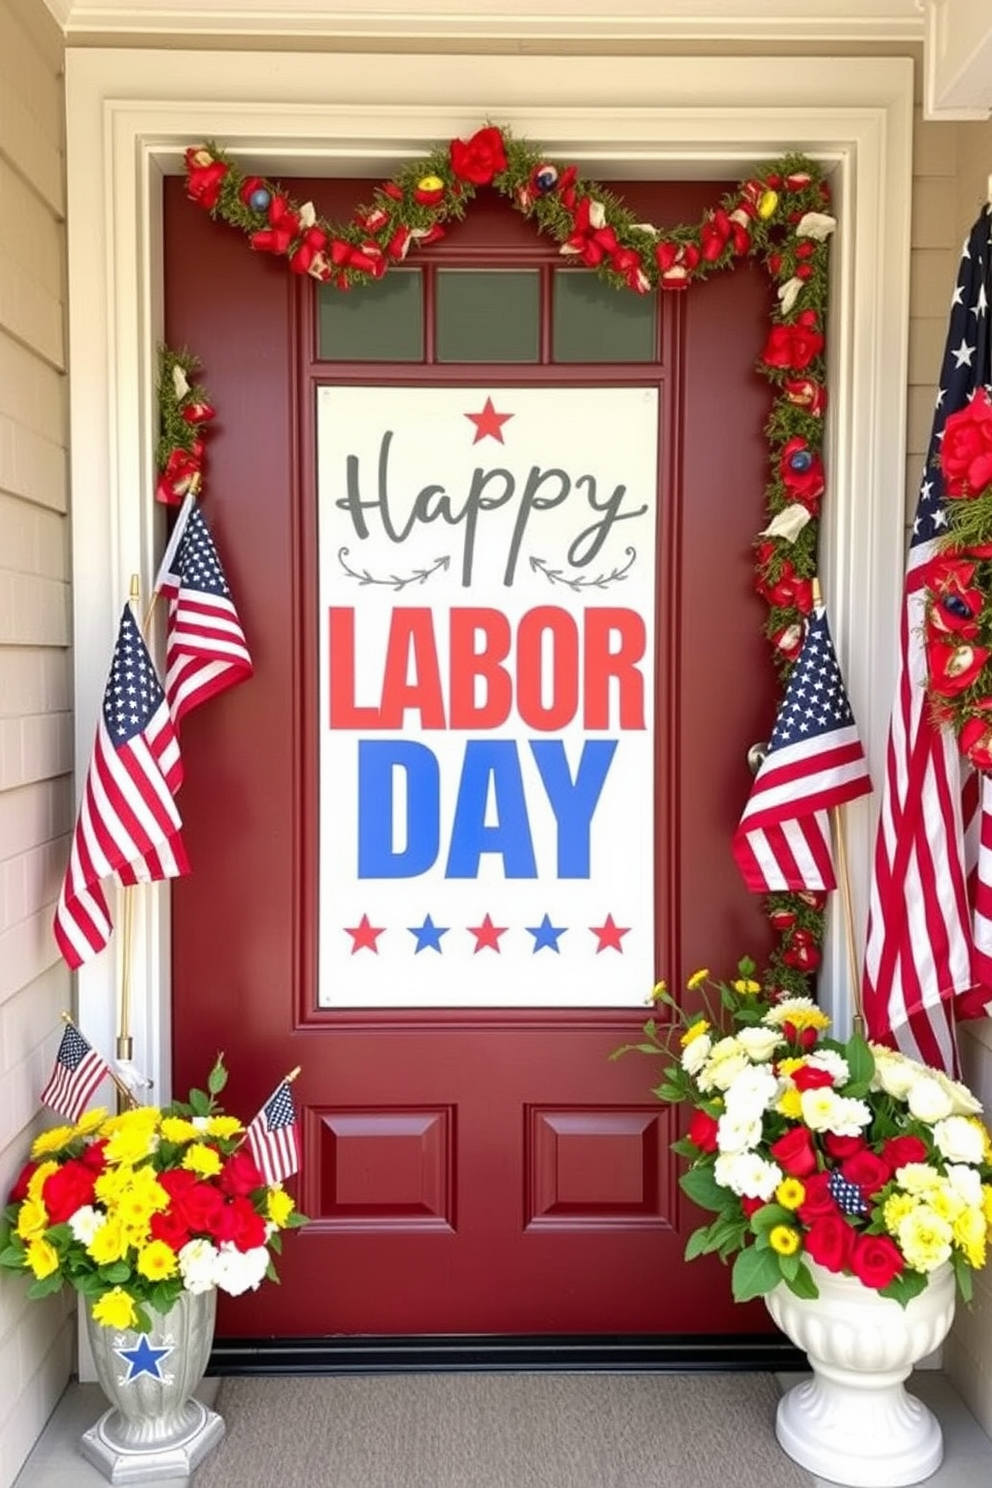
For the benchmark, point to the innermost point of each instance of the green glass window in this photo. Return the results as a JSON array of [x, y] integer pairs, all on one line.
[[488, 315], [593, 322], [378, 322]]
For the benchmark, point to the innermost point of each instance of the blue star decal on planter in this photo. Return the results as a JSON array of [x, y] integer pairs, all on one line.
[[546, 935], [143, 1359], [428, 935]]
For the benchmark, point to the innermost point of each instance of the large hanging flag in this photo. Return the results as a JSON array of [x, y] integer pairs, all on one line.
[[205, 647], [272, 1136], [929, 922], [76, 1076], [814, 762], [128, 821]]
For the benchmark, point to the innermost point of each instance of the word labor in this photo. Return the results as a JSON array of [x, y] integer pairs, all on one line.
[[558, 674], [488, 490]]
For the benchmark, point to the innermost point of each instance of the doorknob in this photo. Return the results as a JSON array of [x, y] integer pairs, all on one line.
[[756, 756]]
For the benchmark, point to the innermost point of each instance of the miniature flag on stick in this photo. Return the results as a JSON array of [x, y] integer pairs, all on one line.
[[272, 1136], [128, 821], [205, 647], [814, 762], [78, 1073]]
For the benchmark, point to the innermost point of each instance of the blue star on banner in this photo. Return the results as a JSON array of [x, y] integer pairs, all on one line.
[[144, 1359], [546, 935], [428, 935]]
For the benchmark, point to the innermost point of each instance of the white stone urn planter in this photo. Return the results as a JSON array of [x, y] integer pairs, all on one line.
[[854, 1422]]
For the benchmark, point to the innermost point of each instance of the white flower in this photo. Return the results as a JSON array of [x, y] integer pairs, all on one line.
[[753, 1092], [758, 1043], [788, 293], [928, 1100], [198, 1265], [924, 1239], [959, 1140], [786, 1010], [963, 1103], [85, 1223], [239, 1271], [835, 1064], [967, 1184], [727, 1060], [747, 1175], [737, 1131], [825, 1111], [894, 1073], [918, 1178], [788, 523], [817, 225], [179, 381], [696, 1053], [308, 214]]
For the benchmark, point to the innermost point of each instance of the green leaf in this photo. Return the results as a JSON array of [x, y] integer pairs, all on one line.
[[217, 1078], [755, 1272], [200, 1101], [801, 1280], [769, 1215], [46, 1285], [116, 1273], [702, 1188], [860, 1061], [13, 1257], [700, 1242], [143, 1323]]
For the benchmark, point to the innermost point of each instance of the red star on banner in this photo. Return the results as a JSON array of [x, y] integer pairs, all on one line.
[[364, 935], [610, 935], [488, 423], [486, 935]]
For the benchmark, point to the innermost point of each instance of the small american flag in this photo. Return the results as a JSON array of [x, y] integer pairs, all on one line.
[[205, 647], [77, 1075], [927, 958], [273, 1139], [128, 821], [814, 762]]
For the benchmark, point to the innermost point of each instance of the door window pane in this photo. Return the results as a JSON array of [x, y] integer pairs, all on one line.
[[382, 321], [487, 315], [593, 322]]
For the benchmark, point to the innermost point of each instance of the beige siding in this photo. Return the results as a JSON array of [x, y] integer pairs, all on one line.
[[36, 801]]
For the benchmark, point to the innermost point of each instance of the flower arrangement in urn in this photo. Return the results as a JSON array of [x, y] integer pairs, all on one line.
[[806, 1148], [134, 1209]]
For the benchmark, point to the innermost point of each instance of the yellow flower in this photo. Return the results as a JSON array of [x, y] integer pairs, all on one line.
[[115, 1310], [109, 1243], [694, 1031], [658, 991], [783, 1239], [790, 1193], [801, 1012], [895, 1209], [130, 1144], [746, 986], [790, 1105], [39, 1177], [138, 1117], [969, 1236], [223, 1127], [89, 1122], [789, 1066], [203, 1160], [987, 1201], [42, 1258], [177, 1129], [52, 1140], [924, 1239], [697, 979], [32, 1220], [280, 1206], [157, 1261]]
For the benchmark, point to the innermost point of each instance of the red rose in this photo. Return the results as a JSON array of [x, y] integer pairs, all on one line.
[[875, 1260], [795, 1153], [238, 1222], [169, 1226], [751, 1206], [67, 1190], [818, 1199], [20, 1188], [204, 176], [792, 346], [841, 1147], [898, 1151], [240, 1174], [714, 235], [966, 448], [702, 1131], [479, 159], [952, 669], [810, 1077], [975, 742], [869, 1171], [197, 1206], [830, 1241]]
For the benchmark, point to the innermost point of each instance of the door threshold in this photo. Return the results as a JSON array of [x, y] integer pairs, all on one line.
[[457, 1352]]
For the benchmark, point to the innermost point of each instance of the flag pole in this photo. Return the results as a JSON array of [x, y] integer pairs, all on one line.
[[844, 885], [125, 1042], [122, 1090]]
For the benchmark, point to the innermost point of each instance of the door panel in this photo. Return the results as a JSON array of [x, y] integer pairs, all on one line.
[[466, 1171]]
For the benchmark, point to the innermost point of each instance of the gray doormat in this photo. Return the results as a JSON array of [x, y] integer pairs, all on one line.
[[501, 1431]]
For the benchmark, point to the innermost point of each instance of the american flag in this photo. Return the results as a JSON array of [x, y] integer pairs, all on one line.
[[76, 1077], [205, 648], [272, 1137], [814, 762], [128, 822], [930, 909]]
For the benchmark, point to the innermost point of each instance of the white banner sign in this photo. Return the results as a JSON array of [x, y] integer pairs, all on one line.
[[487, 657]]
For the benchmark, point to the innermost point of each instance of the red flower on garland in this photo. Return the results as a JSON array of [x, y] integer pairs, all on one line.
[[479, 159], [182, 468], [966, 448], [957, 601], [204, 177], [975, 738], [795, 345], [801, 470], [952, 669]]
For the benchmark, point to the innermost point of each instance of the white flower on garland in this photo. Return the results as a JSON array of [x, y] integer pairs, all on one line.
[[788, 294], [788, 523], [818, 225]]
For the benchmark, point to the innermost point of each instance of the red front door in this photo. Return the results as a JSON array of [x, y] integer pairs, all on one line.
[[466, 1171]]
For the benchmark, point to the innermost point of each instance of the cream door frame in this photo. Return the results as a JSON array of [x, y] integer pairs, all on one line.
[[130, 115]]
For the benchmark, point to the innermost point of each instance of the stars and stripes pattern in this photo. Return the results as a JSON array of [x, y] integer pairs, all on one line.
[[77, 1075], [814, 762], [206, 650], [929, 932], [272, 1136], [128, 821]]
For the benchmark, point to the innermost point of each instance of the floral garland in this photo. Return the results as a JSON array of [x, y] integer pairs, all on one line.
[[779, 216], [958, 624]]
